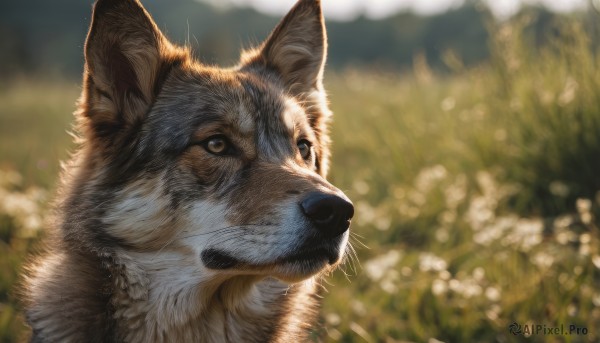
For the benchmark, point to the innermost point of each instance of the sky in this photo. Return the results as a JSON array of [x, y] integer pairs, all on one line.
[[349, 9]]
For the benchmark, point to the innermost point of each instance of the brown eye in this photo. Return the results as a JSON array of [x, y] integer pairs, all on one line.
[[305, 149], [217, 145]]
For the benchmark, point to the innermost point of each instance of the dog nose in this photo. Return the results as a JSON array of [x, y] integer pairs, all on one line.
[[330, 213]]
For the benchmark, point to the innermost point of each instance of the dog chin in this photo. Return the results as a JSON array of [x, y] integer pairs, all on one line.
[[307, 263], [293, 273]]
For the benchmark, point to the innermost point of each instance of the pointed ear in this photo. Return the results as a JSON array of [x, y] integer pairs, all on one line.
[[126, 60], [296, 48]]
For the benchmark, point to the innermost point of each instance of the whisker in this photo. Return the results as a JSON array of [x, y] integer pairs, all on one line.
[[358, 241], [357, 235], [226, 228], [354, 258], [164, 245], [228, 234]]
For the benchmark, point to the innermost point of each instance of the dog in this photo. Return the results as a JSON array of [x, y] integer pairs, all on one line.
[[195, 208]]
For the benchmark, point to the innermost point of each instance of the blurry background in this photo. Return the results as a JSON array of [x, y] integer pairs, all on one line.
[[467, 134]]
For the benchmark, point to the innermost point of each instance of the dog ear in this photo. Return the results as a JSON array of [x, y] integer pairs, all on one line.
[[126, 60], [296, 48]]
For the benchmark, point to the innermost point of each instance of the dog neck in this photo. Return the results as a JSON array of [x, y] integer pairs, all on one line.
[[181, 303]]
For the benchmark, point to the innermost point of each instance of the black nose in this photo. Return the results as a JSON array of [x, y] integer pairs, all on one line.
[[330, 213]]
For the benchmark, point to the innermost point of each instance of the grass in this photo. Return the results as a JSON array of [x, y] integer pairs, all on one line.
[[34, 118], [476, 194]]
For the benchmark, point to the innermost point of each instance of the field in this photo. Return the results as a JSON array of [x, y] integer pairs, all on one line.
[[477, 194]]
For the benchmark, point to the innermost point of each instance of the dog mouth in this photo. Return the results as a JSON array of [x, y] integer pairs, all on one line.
[[313, 254], [218, 259], [308, 256]]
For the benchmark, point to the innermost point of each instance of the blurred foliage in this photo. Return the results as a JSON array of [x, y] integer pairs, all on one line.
[[22, 212], [35, 116], [48, 36], [476, 192]]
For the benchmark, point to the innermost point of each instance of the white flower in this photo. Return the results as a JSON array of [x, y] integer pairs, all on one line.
[[526, 234], [564, 237], [442, 235], [584, 207], [390, 281], [17, 204], [471, 289], [479, 273], [439, 287], [492, 293], [480, 212], [431, 262], [543, 260], [333, 319], [377, 267], [455, 285], [596, 299], [9, 178], [563, 222], [496, 230], [596, 261], [585, 238], [456, 192], [428, 178], [358, 307], [445, 275], [494, 312]]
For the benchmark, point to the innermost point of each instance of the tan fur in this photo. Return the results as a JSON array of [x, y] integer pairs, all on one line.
[[158, 239]]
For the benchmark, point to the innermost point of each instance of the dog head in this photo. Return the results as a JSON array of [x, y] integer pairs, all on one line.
[[224, 168]]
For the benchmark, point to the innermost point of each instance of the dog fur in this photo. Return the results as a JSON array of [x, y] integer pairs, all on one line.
[[177, 218]]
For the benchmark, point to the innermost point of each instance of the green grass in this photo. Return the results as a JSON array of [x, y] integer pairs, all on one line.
[[35, 116], [470, 184], [476, 193]]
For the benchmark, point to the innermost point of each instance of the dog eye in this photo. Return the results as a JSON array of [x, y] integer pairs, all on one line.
[[217, 145], [305, 149]]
